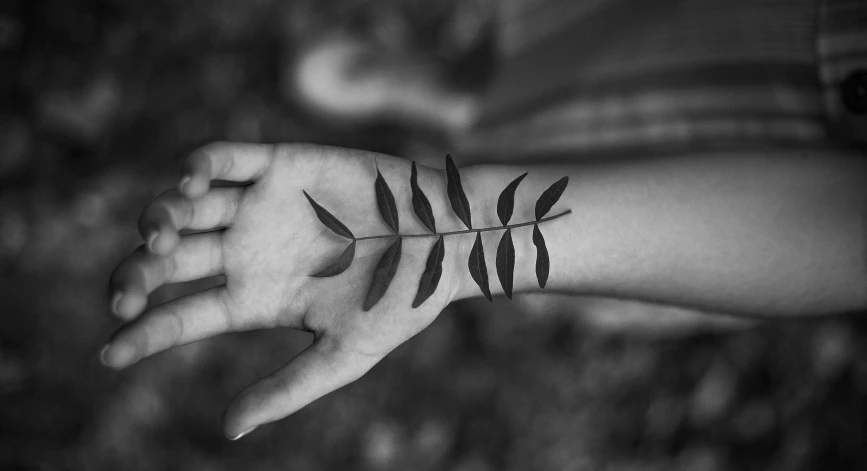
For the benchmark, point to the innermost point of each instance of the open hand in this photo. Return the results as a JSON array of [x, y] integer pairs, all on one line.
[[266, 240]]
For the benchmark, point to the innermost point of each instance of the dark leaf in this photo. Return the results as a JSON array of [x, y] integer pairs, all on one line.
[[478, 268], [329, 220], [550, 197], [340, 264], [506, 262], [383, 274], [433, 270], [420, 203], [543, 264], [458, 198], [506, 203], [385, 200]]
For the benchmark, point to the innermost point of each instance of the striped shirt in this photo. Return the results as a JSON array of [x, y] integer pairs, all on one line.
[[597, 77]]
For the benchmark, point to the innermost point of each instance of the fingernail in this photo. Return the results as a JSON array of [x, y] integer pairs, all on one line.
[[152, 239], [236, 437], [115, 302], [184, 182], [102, 354]]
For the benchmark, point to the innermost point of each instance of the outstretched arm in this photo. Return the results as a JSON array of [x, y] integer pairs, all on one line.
[[772, 232]]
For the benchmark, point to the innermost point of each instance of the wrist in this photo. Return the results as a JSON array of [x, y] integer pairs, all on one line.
[[483, 185]]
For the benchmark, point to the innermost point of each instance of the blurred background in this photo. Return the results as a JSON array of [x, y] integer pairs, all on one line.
[[101, 99]]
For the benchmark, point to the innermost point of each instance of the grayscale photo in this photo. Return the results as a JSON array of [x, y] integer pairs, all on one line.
[[419, 235]]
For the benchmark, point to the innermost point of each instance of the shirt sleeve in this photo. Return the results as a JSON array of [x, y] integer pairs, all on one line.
[[620, 77]]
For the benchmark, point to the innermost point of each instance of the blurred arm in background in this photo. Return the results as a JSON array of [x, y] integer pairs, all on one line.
[[349, 79]]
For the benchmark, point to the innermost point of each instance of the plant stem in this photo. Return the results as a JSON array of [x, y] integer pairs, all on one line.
[[468, 231]]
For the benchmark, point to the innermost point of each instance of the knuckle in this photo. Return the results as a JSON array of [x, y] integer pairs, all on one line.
[[284, 384], [280, 150], [170, 267], [216, 252], [172, 328], [224, 307], [227, 166], [356, 360], [292, 150], [187, 213], [231, 206], [286, 151]]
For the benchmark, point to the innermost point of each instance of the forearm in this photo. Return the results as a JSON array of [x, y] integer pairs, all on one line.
[[769, 233]]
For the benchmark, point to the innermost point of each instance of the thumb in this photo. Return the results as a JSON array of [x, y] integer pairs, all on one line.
[[318, 370]]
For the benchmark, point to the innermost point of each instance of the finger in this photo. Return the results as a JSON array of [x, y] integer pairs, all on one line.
[[171, 211], [168, 325], [198, 256], [233, 161], [320, 369]]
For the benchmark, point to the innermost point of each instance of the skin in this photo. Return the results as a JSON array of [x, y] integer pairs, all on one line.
[[762, 233], [269, 243], [768, 233]]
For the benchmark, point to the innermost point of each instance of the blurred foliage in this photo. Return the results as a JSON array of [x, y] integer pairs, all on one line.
[[100, 100]]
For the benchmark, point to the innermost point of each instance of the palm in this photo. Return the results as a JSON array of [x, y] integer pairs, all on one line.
[[270, 244], [276, 242]]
